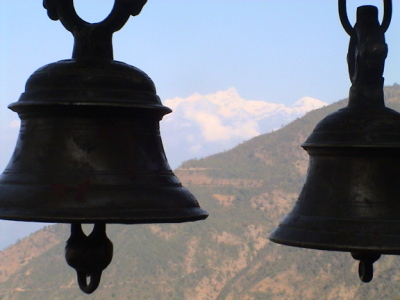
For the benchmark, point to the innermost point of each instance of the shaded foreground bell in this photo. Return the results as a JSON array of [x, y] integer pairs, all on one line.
[[89, 150]]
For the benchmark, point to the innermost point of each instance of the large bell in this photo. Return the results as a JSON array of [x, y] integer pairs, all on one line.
[[89, 148], [351, 198]]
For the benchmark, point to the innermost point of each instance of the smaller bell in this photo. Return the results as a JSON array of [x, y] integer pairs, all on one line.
[[350, 199]]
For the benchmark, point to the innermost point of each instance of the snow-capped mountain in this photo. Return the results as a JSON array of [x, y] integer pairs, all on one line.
[[201, 125]]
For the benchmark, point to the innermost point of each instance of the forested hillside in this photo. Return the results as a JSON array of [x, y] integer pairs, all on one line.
[[246, 190]]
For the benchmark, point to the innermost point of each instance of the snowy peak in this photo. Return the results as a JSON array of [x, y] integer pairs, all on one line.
[[228, 104], [308, 104], [206, 124]]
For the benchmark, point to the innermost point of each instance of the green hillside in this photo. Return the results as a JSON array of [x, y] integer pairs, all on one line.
[[246, 190]]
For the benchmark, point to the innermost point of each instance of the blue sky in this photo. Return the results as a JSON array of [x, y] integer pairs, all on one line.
[[271, 50], [277, 51]]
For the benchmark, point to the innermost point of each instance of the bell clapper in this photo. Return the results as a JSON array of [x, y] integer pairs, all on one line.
[[365, 267], [88, 255]]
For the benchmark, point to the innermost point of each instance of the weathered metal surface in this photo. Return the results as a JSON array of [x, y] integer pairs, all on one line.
[[89, 148]]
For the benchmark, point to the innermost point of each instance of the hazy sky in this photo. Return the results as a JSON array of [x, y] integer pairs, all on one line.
[[272, 50]]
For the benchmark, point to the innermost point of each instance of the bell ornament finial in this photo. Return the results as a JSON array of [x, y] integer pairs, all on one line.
[[93, 40]]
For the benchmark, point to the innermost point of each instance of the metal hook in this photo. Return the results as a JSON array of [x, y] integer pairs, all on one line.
[[387, 16], [344, 19]]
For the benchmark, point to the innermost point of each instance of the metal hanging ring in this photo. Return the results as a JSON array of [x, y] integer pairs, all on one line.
[[94, 281], [387, 16], [64, 11], [93, 40]]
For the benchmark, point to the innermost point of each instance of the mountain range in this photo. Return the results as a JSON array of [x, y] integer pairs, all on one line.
[[207, 124], [200, 125], [246, 190]]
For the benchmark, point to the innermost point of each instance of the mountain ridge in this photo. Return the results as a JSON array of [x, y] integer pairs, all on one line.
[[246, 190], [201, 125], [211, 123]]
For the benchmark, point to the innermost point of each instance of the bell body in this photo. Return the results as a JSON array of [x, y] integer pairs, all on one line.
[[351, 198], [89, 150]]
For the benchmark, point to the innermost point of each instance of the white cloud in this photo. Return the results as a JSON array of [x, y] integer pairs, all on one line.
[[14, 124], [195, 149], [213, 130], [201, 125]]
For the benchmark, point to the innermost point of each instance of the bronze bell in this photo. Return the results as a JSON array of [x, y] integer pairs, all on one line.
[[89, 148], [350, 199]]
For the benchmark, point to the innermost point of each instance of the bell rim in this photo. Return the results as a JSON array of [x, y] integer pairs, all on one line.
[[154, 217], [161, 202], [312, 233]]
